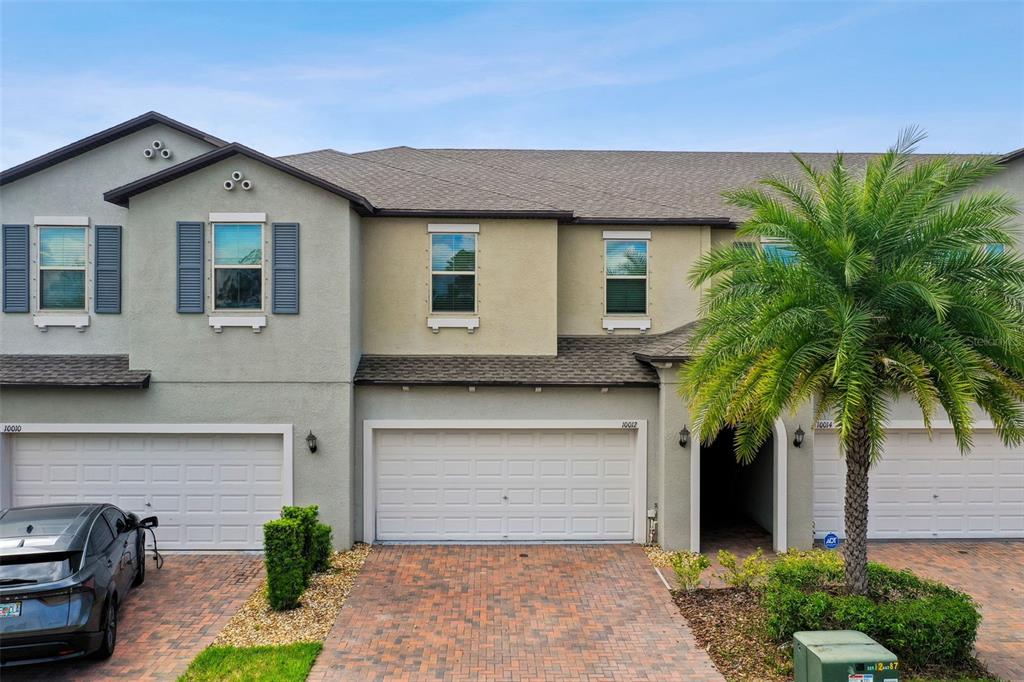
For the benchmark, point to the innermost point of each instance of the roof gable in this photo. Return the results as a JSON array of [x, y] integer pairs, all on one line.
[[121, 195], [99, 139]]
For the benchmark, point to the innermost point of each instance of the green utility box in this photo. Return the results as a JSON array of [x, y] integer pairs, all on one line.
[[842, 656]]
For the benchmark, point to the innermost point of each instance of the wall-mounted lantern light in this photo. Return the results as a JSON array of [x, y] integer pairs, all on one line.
[[684, 437], [798, 436], [311, 442]]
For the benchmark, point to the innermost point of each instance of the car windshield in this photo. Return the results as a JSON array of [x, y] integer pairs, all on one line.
[[39, 572], [29, 522]]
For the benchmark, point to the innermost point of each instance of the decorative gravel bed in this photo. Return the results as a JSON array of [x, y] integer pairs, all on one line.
[[658, 556], [255, 624]]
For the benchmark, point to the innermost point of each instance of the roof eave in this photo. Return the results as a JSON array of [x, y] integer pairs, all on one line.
[[505, 382], [682, 220], [99, 139], [471, 213]]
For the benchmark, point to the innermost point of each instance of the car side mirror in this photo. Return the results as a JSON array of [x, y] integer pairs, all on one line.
[[149, 522]]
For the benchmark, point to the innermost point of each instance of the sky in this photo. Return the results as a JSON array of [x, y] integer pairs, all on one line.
[[297, 76]]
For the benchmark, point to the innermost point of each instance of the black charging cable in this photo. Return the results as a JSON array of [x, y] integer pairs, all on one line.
[[157, 556]]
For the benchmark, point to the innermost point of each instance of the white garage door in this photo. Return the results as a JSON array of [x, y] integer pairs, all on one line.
[[209, 491], [505, 485], [926, 489]]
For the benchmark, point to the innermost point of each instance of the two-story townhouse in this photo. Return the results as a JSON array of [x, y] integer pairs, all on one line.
[[433, 345]]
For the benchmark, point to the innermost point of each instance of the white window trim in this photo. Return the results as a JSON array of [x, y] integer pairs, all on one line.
[[371, 426], [453, 227], [238, 217], [9, 430], [257, 322], [646, 277], [436, 324], [613, 323], [37, 279], [262, 267], [627, 235], [61, 220], [456, 315], [45, 320]]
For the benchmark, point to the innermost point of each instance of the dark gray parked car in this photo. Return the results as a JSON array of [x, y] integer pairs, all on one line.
[[64, 570]]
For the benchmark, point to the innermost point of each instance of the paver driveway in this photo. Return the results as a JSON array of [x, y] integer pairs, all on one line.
[[991, 571], [164, 623], [500, 612]]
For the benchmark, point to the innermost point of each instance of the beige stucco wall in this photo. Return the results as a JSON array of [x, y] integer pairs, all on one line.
[[75, 188], [516, 289], [671, 301]]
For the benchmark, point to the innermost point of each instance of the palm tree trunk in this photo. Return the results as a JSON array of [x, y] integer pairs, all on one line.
[[858, 460]]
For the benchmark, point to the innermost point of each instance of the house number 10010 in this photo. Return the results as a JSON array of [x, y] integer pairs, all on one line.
[[12, 428]]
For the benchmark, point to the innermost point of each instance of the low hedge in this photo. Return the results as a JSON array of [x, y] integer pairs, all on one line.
[[921, 621], [283, 545], [321, 547]]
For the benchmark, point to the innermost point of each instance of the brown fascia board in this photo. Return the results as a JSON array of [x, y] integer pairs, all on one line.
[[496, 214], [121, 195], [510, 382], [1011, 156], [98, 140], [715, 221]]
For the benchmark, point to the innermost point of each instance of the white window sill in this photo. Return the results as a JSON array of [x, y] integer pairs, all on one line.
[[436, 324], [613, 323], [257, 322], [47, 320]]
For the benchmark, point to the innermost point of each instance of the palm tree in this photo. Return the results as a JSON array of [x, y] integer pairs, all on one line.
[[890, 285]]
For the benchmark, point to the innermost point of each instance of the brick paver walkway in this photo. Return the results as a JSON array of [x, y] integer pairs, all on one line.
[[166, 621], [510, 612], [991, 571]]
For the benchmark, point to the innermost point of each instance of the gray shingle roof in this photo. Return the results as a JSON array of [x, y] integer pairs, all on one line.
[[595, 185], [70, 371], [581, 361]]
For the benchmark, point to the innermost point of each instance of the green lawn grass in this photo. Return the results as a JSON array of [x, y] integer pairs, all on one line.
[[286, 663]]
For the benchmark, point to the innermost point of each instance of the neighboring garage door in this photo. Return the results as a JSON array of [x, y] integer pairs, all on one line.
[[505, 485], [926, 489], [209, 491]]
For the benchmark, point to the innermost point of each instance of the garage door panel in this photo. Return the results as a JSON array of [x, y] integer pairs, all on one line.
[[926, 489], [209, 491], [506, 485]]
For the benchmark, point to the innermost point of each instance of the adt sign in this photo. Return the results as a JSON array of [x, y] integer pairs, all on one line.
[[831, 541]]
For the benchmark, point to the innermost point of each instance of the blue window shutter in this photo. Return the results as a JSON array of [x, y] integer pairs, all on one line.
[[285, 268], [16, 269], [107, 281], [191, 275]]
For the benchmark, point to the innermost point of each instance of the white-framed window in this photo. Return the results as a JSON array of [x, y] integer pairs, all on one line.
[[452, 272], [63, 256], [625, 273], [237, 267]]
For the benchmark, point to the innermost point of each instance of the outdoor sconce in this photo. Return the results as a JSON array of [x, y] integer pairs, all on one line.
[[311, 442], [798, 436], [684, 437]]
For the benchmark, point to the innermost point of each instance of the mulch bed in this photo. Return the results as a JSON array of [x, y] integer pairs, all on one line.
[[729, 624]]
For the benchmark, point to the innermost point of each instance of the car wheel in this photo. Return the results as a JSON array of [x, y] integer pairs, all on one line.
[[140, 572], [109, 640]]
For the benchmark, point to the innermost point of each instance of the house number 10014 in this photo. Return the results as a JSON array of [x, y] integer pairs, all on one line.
[[629, 425]]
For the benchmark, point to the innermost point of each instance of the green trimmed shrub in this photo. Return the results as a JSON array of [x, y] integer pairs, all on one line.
[[688, 567], [922, 621], [321, 547], [285, 563], [308, 518]]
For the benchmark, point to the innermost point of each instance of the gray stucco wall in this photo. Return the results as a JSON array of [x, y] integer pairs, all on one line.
[[322, 478], [75, 188], [423, 402]]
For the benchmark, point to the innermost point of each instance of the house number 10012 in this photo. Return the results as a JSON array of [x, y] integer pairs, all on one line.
[[629, 425]]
